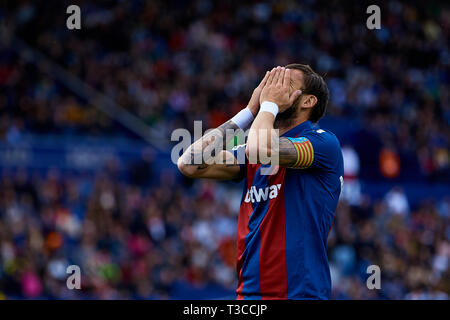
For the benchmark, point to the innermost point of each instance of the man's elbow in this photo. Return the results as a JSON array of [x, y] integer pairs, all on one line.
[[186, 169]]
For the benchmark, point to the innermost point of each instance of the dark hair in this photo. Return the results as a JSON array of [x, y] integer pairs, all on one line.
[[315, 85]]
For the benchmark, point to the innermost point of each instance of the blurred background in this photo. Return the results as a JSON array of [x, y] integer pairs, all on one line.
[[85, 123]]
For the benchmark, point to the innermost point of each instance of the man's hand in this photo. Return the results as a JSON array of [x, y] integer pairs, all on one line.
[[253, 104], [277, 89]]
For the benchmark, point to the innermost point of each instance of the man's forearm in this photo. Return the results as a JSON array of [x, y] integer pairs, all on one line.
[[261, 134], [263, 129], [216, 140]]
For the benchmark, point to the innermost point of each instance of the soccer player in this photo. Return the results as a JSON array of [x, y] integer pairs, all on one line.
[[285, 217]]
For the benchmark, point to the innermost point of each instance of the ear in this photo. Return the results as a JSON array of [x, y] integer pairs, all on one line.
[[308, 101]]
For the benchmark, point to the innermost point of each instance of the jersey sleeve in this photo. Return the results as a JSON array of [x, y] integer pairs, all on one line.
[[316, 149]]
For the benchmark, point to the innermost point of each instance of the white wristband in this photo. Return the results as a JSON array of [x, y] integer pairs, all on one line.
[[268, 106], [243, 118]]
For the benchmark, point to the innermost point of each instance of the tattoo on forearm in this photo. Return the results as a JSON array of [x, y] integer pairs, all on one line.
[[212, 140]]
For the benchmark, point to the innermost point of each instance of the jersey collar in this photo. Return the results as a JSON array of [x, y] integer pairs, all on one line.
[[297, 130]]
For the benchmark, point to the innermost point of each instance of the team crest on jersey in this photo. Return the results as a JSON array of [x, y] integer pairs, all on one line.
[[262, 194]]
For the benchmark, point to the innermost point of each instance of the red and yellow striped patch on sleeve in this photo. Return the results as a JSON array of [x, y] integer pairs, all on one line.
[[305, 152]]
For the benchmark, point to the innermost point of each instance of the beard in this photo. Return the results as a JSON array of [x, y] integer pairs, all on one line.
[[284, 119]]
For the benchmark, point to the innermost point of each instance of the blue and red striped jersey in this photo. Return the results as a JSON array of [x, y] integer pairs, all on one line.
[[285, 218]]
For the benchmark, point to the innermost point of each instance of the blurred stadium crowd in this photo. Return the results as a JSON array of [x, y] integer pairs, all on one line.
[[143, 233]]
